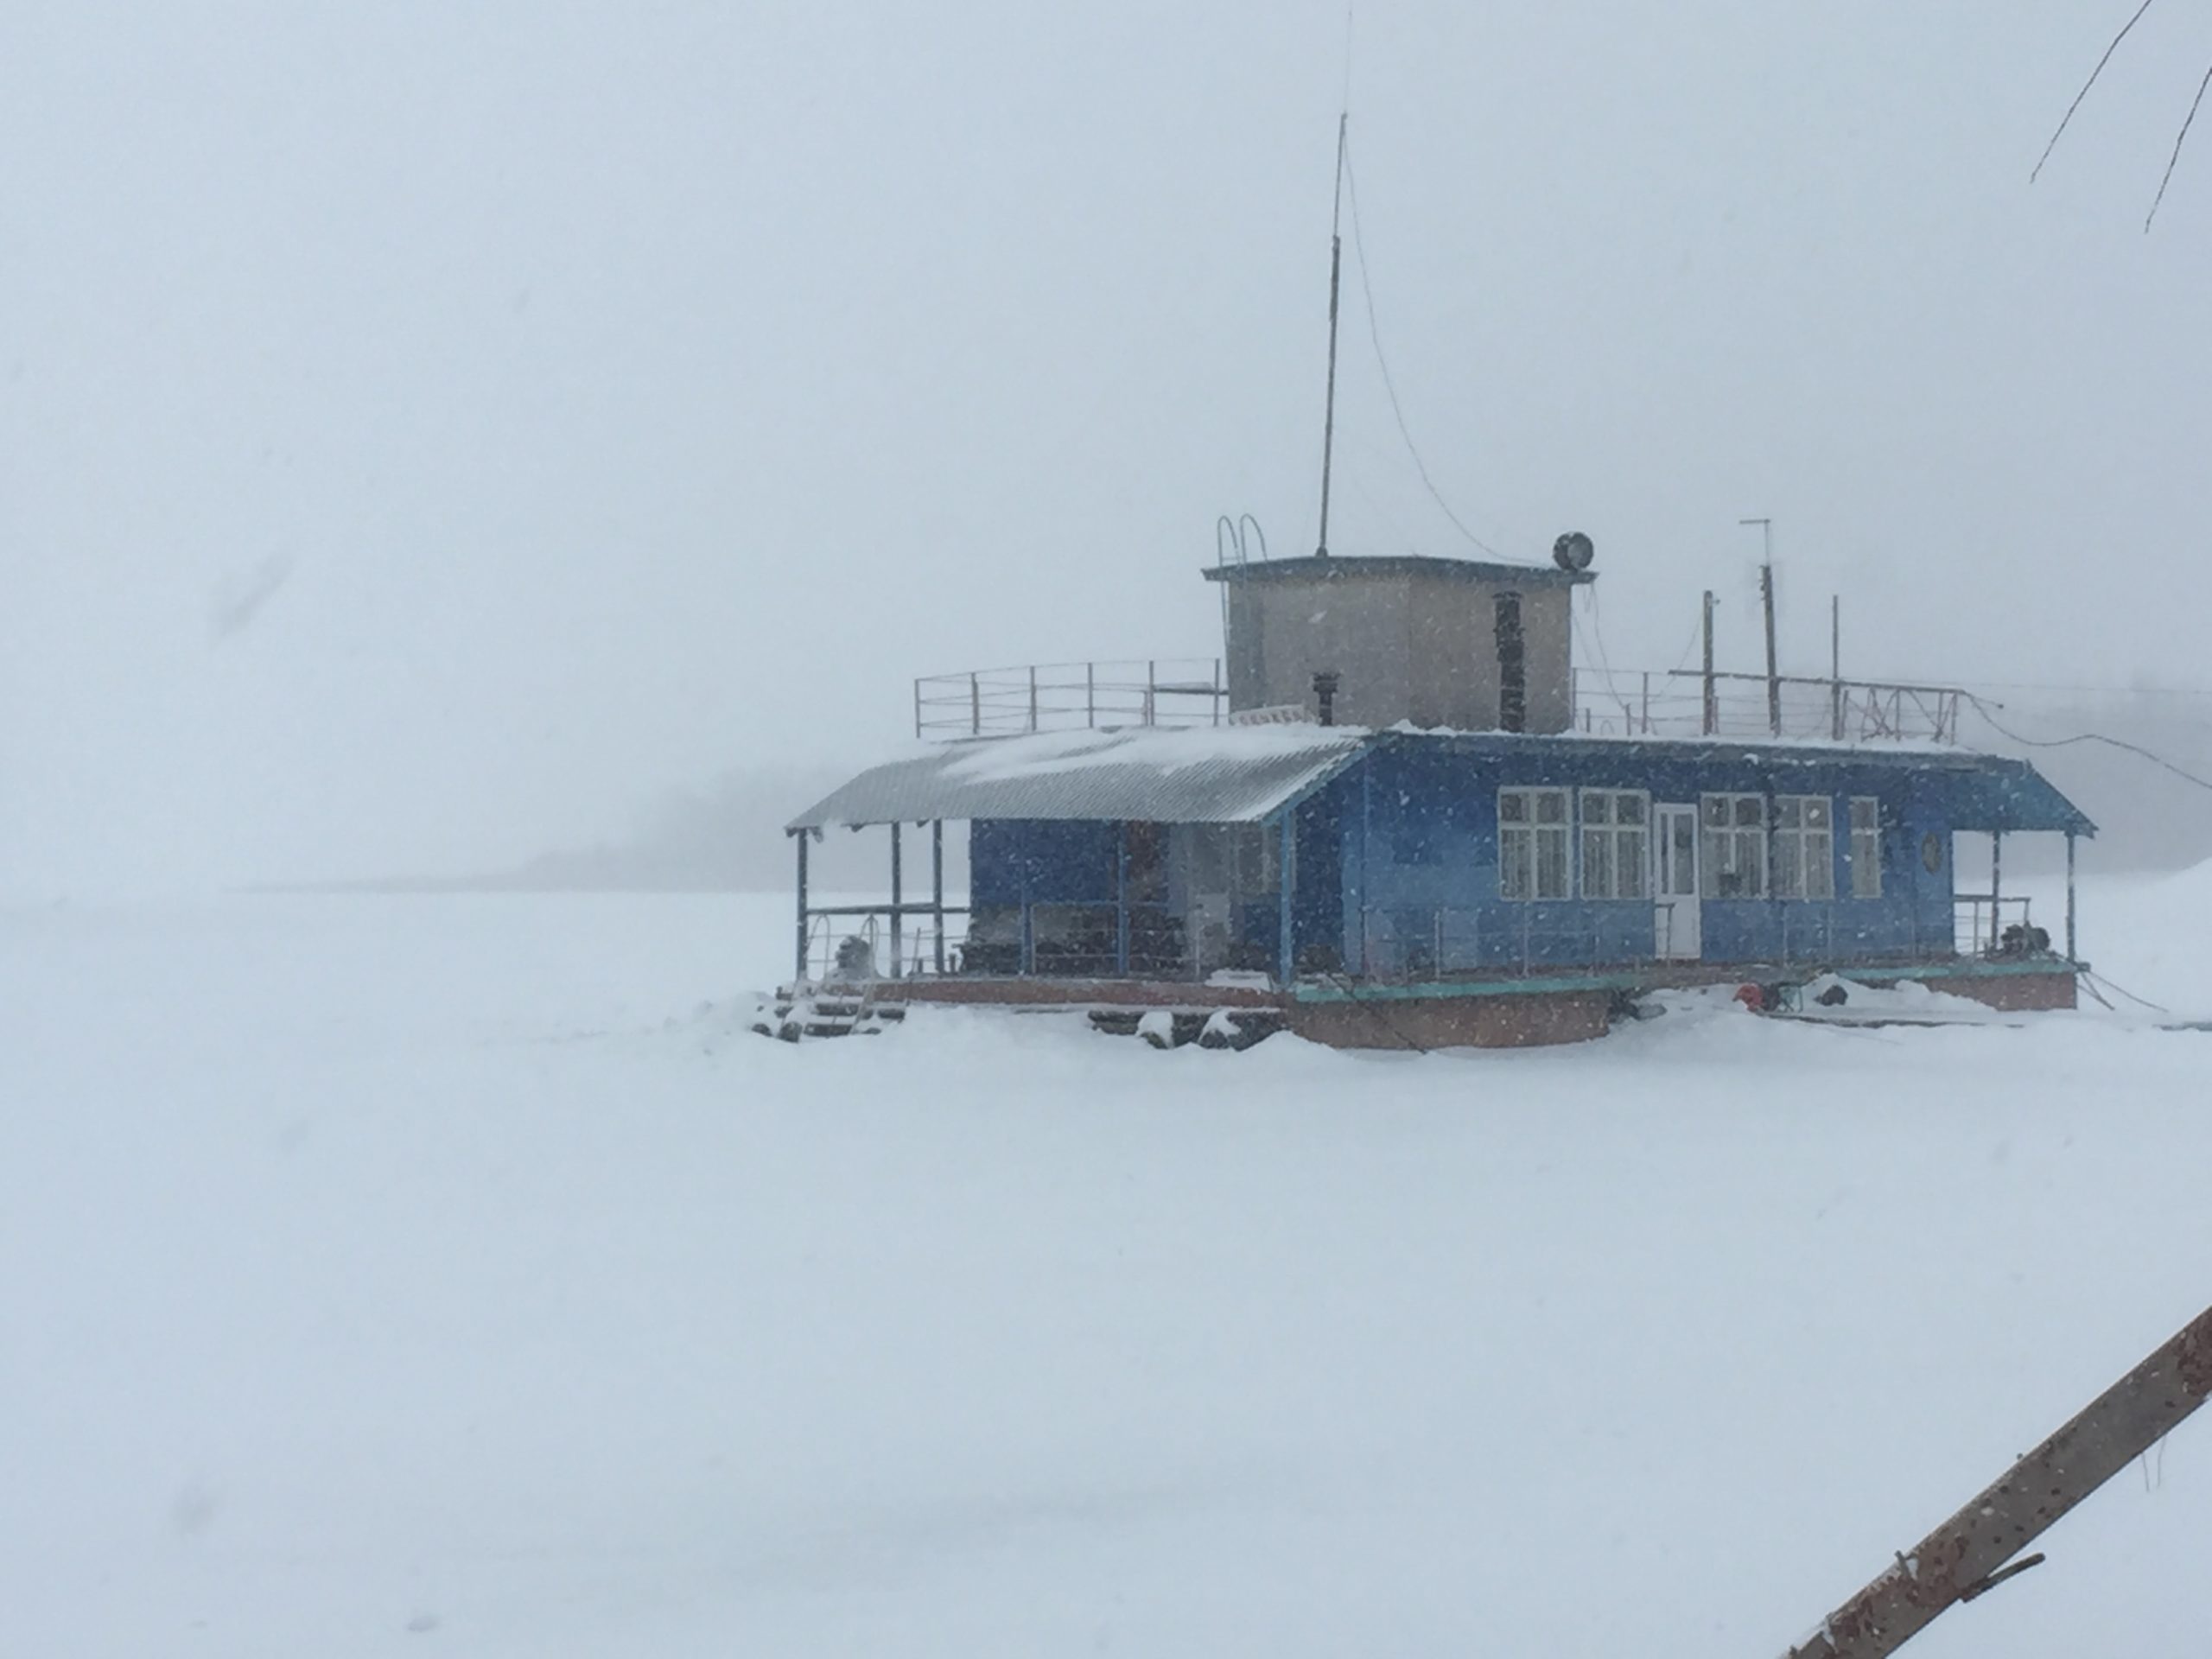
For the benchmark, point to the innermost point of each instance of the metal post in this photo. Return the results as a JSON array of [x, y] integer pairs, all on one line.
[[1835, 667], [1283, 879], [1766, 604], [1996, 886], [917, 708], [1366, 840], [799, 976], [1217, 691], [1647, 703], [1032, 697], [898, 903], [1152, 693], [1712, 722], [1122, 899], [974, 707], [937, 892], [1090, 693], [1336, 268], [2071, 956]]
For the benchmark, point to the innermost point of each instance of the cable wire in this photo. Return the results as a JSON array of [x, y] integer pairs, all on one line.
[[1982, 709], [1375, 333]]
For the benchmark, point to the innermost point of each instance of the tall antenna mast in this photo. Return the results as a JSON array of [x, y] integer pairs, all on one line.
[[1335, 272]]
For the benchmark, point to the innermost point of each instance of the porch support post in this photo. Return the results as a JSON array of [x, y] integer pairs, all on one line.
[[937, 892], [798, 971], [1996, 883], [2070, 957], [1283, 879], [1366, 842], [898, 901], [1122, 899]]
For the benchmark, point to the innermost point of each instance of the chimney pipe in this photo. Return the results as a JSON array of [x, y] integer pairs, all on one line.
[[1324, 693]]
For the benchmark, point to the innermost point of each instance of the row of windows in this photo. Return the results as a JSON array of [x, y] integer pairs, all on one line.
[[1744, 852]]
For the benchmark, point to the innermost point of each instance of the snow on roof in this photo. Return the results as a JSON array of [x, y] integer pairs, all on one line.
[[1215, 774], [1242, 774]]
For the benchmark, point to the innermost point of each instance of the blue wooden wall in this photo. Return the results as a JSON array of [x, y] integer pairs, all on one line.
[[1396, 871], [1419, 864]]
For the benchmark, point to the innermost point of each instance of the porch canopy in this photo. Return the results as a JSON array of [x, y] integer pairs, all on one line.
[[1997, 795], [1224, 774]]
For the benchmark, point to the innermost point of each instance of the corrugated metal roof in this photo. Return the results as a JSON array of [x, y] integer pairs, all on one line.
[[1228, 774], [1241, 774]]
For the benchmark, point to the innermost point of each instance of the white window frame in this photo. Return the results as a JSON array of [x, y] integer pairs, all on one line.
[[1802, 865], [1627, 872], [1866, 846], [1737, 842], [1526, 836]]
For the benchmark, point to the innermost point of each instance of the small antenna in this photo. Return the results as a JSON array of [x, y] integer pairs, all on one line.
[[1335, 274]]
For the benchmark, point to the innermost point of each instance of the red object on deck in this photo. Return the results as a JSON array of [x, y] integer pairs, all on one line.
[[1752, 997]]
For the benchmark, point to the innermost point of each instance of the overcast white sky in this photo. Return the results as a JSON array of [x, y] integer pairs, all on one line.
[[595, 399]]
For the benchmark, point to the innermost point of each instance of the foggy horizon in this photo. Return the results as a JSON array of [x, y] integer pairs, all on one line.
[[427, 443]]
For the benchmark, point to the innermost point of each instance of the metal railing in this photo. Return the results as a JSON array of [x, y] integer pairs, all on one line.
[[1983, 925], [1423, 942], [854, 944], [1071, 696], [1677, 702]]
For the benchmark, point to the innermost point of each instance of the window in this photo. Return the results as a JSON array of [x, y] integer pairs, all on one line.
[[1735, 846], [1804, 847], [1532, 843], [1512, 665], [1866, 847], [1255, 853], [1616, 849]]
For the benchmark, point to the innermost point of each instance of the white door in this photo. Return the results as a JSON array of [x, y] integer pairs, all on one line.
[[1674, 882]]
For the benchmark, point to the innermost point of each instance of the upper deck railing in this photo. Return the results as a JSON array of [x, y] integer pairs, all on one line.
[[1680, 703], [1192, 691], [1071, 696]]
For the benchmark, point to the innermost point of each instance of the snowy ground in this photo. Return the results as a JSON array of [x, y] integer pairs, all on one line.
[[406, 1276]]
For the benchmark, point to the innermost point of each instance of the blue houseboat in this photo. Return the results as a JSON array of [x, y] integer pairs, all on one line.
[[1392, 814]]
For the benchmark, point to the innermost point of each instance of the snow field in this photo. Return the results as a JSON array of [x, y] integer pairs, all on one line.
[[396, 1276]]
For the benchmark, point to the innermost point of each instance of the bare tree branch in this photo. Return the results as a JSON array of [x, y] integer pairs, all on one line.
[[2086, 84], [2180, 139]]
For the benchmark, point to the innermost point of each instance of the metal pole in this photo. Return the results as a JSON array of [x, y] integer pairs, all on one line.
[[936, 891], [1122, 899], [974, 707], [1217, 691], [917, 708], [798, 977], [1032, 697], [1090, 693], [1336, 270], [1766, 604], [1647, 703], [1996, 886], [1366, 840], [1283, 877], [1835, 667], [898, 907], [2070, 954], [1712, 690]]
